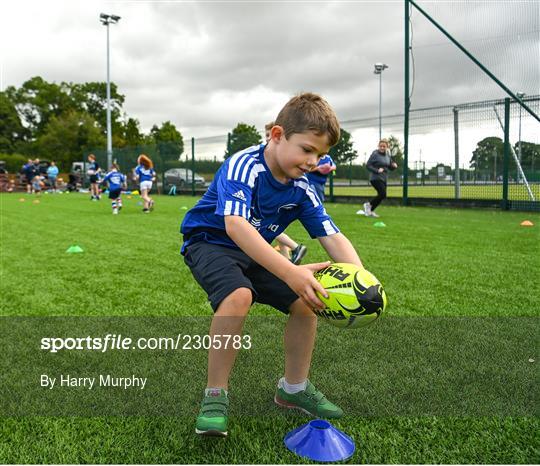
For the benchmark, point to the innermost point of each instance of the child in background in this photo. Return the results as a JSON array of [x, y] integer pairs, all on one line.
[[145, 173], [92, 171], [318, 176], [286, 245], [37, 184], [116, 182]]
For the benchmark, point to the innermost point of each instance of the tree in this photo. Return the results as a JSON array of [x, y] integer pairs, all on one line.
[[92, 98], [343, 151], [487, 158], [132, 133], [37, 101], [67, 136], [530, 155], [11, 129], [169, 141], [242, 136], [396, 149]]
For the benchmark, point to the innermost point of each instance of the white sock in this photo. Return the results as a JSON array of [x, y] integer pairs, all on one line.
[[207, 391], [292, 387]]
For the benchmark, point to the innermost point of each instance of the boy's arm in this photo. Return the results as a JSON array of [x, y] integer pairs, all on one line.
[[299, 278], [340, 249]]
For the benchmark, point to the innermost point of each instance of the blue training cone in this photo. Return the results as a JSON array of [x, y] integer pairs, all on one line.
[[319, 440]]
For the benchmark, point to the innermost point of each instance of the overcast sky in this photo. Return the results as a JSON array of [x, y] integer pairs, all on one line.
[[205, 65]]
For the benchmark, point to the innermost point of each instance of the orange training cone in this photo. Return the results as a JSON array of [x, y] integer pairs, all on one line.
[[527, 223]]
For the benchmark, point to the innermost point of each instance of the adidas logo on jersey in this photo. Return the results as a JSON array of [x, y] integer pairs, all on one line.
[[240, 195]]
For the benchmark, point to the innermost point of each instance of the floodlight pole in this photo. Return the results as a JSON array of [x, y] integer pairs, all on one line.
[[379, 68], [106, 20]]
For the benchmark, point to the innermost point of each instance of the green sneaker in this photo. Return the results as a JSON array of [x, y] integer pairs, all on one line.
[[311, 401], [212, 418]]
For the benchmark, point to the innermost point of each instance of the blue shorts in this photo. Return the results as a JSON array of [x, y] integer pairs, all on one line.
[[115, 193], [221, 270]]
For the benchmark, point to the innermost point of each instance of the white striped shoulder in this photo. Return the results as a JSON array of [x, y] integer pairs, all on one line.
[[236, 208], [303, 183], [245, 166]]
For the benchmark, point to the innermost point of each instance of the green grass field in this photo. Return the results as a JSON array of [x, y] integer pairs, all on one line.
[[463, 288], [515, 192]]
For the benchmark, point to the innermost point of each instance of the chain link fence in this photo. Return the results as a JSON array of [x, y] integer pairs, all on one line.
[[456, 156]]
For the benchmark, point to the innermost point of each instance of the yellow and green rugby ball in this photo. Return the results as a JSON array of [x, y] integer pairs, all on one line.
[[355, 297]]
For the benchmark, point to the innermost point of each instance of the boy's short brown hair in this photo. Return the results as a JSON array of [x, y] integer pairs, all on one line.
[[309, 112]]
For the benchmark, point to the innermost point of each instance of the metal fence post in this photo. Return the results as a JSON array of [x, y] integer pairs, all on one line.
[[407, 106], [193, 166], [331, 186], [456, 155], [506, 154]]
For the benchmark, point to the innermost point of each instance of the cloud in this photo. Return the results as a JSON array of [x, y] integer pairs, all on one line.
[[207, 65]]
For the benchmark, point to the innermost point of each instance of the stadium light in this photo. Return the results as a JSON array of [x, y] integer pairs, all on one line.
[[379, 68], [106, 20], [520, 96]]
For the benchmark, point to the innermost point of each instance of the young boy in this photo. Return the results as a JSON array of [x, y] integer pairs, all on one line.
[[116, 181], [255, 195]]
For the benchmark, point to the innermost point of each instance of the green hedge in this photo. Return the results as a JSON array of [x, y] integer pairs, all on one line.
[[14, 162]]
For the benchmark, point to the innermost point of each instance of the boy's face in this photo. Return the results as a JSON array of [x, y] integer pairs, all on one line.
[[300, 153]]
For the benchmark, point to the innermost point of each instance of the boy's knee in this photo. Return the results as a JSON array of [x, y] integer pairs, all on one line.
[[236, 303], [300, 308]]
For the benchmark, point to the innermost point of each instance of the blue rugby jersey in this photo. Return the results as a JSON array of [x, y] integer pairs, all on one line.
[[115, 180], [244, 186], [317, 177], [144, 174]]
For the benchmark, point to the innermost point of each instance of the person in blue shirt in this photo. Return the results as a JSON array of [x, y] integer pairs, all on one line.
[[93, 171], [116, 182], [52, 174], [146, 175], [318, 176], [29, 170], [254, 196], [286, 246]]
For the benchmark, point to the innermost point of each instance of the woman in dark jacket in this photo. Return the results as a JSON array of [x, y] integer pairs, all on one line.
[[378, 165]]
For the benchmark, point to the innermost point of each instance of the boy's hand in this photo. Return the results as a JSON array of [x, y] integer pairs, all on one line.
[[304, 284], [380, 170]]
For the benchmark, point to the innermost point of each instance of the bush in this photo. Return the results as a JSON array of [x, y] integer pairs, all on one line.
[[14, 162]]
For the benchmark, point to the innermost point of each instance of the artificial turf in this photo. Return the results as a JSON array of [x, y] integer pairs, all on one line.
[[437, 265]]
